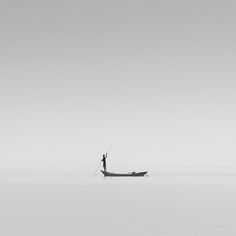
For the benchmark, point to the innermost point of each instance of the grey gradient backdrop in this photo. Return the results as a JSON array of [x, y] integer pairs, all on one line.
[[156, 78]]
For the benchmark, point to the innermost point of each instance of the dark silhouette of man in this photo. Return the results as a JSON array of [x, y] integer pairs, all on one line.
[[104, 162]]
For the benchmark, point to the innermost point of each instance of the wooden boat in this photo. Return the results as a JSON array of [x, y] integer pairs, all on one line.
[[131, 174]]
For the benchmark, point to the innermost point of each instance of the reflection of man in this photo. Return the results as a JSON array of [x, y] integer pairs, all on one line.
[[104, 162]]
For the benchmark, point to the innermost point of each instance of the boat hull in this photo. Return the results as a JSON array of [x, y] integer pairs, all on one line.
[[133, 174]]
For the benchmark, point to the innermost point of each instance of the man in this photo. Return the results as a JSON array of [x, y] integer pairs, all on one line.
[[104, 162]]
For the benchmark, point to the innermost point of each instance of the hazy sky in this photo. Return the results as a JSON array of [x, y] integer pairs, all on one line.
[[156, 78]]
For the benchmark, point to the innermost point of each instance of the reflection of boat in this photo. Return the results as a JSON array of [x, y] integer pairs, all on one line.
[[131, 174]]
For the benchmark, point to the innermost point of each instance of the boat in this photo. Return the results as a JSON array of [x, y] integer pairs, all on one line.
[[131, 174]]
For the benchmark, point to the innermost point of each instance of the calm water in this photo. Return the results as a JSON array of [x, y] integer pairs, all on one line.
[[154, 205]]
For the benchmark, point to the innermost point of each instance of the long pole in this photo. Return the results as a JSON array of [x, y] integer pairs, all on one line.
[[97, 168], [101, 160], [110, 148]]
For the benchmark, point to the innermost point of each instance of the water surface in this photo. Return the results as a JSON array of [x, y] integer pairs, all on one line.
[[83, 205]]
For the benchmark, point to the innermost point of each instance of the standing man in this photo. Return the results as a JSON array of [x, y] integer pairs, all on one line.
[[104, 162]]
